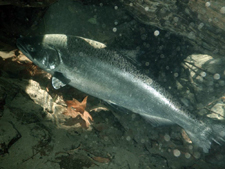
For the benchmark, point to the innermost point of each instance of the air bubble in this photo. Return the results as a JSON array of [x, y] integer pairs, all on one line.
[[146, 63], [156, 33], [115, 7], [106, 138], [222, 10], [101, 4], [142, 141], [103, 25], [187, 155], [207, 4], [197, 155], [222, 133], [114, 29], [200, 26], [176, 153], [166, 137], [128, 138], [144, 36], [146, 8], [210, 89], [175, 74], [221, 82], [211, 83], [81, 54], [150, 81], [203, 74], [216, 76], [133, 116], [175, 19], [200, 78], [146, 71], [191, 35]]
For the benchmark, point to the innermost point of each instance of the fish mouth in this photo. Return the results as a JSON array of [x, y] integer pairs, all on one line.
[[22, 47]]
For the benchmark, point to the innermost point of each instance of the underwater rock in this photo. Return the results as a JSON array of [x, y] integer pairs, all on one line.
[[199, 22]]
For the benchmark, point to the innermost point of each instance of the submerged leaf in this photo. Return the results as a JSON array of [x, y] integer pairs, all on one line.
[[76, 110]]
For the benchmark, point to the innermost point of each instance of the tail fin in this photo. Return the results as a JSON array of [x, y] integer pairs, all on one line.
[[203, 136]]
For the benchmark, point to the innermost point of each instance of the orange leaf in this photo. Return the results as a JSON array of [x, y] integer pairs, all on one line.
[[76, 109]]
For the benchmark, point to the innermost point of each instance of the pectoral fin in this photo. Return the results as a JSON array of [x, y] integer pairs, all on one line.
[[59, 80]]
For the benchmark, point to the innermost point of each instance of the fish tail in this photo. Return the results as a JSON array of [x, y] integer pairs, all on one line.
[[203, 136]]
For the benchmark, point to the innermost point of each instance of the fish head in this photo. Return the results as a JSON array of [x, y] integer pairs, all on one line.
[[44, 55]]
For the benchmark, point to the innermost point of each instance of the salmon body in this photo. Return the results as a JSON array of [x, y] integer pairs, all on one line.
[[90, 67]]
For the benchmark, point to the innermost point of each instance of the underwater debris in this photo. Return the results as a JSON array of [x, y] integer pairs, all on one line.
[[8, 138], [2, 103], [32, 3], [76, 110], [100, 159]]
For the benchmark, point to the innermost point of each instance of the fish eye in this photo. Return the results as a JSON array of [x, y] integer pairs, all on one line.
[[30, 48]]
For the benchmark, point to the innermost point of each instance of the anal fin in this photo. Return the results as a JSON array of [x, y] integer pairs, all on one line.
[[157, 121]]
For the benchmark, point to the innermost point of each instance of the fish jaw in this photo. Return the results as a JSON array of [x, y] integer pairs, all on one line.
[[40, 53]]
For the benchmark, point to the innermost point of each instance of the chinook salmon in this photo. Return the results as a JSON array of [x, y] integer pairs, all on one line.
[[90, 67]]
